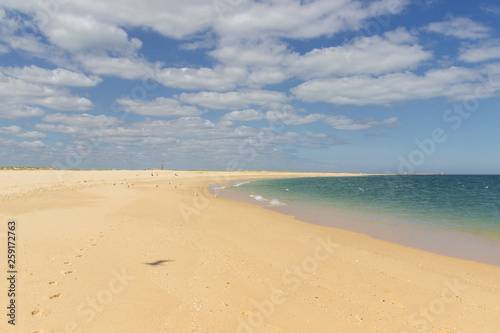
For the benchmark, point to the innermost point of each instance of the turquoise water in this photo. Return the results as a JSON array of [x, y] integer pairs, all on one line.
[[436, 206]]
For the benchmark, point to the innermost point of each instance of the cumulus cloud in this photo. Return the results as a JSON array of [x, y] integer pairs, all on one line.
[[58, 76], [287, 117], [132, 68], [243, 115], [18, 132], [17, 34], [346, 124], [76, 32], [23, 145], [13, 111], [233, 99], [460, 27], [392, 52], [482, 51], [300, 19], [269, 61], [21, 95], [217, 78], [160, 107], [453, 83], [82, 120]]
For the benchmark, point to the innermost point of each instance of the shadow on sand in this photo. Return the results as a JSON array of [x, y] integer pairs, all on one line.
[[157, 263]]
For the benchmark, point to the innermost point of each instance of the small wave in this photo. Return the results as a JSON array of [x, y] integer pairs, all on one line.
[[258, 197], [276, 202], [239, 184], [217, 187], [272, 202]]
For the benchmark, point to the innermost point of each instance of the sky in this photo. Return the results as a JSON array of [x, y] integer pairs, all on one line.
[[383, 86]]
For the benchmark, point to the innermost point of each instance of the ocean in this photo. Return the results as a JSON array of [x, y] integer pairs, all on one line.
[[453, 215]]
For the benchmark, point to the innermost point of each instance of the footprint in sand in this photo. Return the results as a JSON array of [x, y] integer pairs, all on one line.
[[67, 263], [37, 312], [68, 272], [55, 296], [93, 244], [53, 283], [79, 256]]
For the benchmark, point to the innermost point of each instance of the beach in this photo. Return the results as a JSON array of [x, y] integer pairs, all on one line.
[[157, 251]]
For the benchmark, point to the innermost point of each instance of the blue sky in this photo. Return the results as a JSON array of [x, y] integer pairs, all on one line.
[[327, 85]]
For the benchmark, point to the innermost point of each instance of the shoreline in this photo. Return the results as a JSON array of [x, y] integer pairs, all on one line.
[[451, 243], [190, 261]]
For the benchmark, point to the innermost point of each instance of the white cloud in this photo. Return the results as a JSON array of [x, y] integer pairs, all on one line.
[[160, 107], [394, 51], [14, 32], [82, 120], [244, 115], [491, 9], [58, 76], [12, 111], [131, 68], [300, 19], [18, 132], [20, 94], [76, 32], [23, 144], [346, 124], [170, 17], [460, 27], [453, 82], [483, 51], [234, 99], [253, 53], [32, 144], [269, 61], [287, 117], [219, 78], [70, 130]]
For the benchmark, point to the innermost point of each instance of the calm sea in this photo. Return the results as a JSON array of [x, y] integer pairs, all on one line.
[[452, 215]]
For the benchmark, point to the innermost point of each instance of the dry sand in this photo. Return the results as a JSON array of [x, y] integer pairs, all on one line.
[[98, 257]]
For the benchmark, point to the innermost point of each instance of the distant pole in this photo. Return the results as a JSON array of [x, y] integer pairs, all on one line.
[[162, 164]]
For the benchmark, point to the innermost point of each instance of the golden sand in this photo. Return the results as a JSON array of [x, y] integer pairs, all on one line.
[[124, 251]]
